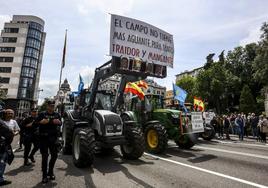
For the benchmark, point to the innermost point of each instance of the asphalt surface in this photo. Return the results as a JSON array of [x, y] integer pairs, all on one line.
[[216, 163]]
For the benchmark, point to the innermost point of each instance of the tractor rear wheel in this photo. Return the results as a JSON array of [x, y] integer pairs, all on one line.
[[134, 147], [156, 138], [83, 147], [67, 135], [208, 134], [186, 141]]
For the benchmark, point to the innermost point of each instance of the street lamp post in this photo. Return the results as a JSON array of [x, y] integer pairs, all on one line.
[[38, 94]]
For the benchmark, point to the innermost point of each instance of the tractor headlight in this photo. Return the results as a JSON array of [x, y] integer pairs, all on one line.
[[175, 116], [109, 127], [119, 127], [114, 128]]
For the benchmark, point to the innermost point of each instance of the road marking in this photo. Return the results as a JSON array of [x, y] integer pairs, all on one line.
[[240, 143], [233, 152], [209, 171]]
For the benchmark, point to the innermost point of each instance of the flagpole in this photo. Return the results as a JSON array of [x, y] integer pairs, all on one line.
[[63, 58], [60, 76]]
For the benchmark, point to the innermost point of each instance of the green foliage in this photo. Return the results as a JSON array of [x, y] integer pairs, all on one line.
[[188, 84], [260, 64], [220, 82], [209, 61], [3, 94], [247, 102], [43, 107], [211, 85]]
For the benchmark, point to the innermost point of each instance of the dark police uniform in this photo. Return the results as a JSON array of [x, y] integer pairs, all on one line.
[[48, 141], [6, 137], [30, 135]]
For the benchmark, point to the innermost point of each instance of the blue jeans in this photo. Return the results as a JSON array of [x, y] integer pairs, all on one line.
[[3, 159], [255, 132], [241, 132]]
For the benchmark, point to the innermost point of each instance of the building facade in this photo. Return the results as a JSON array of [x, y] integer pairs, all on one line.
[[193, 73], [62, 99], [21, 51], [169, 100]]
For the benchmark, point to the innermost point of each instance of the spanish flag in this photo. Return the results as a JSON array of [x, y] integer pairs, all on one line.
[[142, 84], [198, 103], [134, 89]]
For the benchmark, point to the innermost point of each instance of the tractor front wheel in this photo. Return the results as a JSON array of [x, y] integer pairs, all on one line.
[[186, 141], [83, 147], [134, 147], [156, 138]]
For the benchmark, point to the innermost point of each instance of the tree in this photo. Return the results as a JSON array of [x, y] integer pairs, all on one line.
[[221, 57], [209, 61], [43, 106], [247, 101], [188, 84], [260, 65], [3, 94]]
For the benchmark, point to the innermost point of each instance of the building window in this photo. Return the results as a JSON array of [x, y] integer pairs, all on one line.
[[33, 43], [6, 59], [36, 26], [7, 49], [30, 62], [32, 52], [28, 72], [4, 80], [35, 34], [9, 39], [11, 30], [22, 92], [26, 82], [5, 69]]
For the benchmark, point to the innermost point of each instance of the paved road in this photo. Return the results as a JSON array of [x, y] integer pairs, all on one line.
[[209, 164]]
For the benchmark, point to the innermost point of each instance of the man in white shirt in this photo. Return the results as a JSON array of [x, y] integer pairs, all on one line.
[[10, 122]]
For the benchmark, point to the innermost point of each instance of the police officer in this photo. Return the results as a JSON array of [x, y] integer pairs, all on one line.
[[6, 137], [30, 135], [49, 124]]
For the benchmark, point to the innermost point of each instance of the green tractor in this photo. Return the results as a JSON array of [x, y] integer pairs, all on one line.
[[160, 124]]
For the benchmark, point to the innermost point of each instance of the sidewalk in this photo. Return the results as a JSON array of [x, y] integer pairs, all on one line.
[[235, 138]]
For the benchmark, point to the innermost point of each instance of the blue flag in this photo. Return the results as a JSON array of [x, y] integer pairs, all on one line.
[[180, 95], [81, 84]]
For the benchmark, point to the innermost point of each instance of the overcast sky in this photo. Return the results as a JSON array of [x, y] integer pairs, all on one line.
[[199, 27]]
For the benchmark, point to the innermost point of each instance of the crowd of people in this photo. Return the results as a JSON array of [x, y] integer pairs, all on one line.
[[242, 125], [40, 130]]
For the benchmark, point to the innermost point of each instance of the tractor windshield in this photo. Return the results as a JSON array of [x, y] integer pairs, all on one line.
[[103, 101], [156, 101]]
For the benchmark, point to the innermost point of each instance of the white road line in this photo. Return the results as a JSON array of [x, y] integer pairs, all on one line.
[[209, 171], [240, 143], [233, 152]]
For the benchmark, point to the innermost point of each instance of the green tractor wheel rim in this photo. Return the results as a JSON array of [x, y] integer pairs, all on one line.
[[152, 138]]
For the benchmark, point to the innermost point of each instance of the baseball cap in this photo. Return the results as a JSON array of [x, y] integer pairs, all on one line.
[[50, 102]]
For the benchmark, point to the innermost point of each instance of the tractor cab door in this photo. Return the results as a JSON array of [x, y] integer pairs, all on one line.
[[137, 107]]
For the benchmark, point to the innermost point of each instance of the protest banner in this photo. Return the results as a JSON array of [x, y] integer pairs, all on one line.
[[136, 39]]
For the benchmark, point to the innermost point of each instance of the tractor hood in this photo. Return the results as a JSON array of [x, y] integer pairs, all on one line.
[[172, 112]]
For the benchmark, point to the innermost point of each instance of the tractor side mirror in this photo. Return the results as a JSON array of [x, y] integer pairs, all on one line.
[[71, 97]]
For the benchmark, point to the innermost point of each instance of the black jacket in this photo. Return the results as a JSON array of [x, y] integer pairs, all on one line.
[[50, 128], [32, 129], [6, 135]]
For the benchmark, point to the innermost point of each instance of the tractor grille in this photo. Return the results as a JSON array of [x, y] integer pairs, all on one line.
[[112, 119]]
